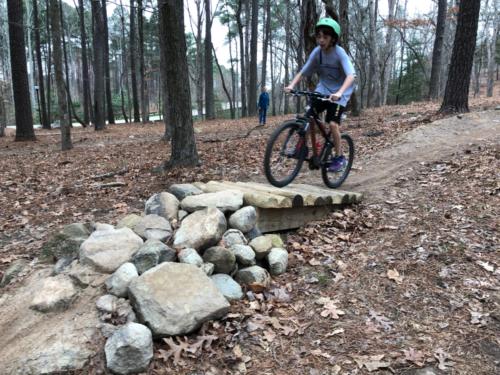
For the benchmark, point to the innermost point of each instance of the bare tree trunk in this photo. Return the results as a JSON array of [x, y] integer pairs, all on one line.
[[179, 115], [109, 97], [437, 52], [376, 91], [22, 105], [456, 96], [252, 94], [3, 112], [58, 67], [231, 108], [99, 39], [133, 68], [209, 65], [267, 31], [239, 22], [85, 67], [124, 73], [199, 58], [142, 74], [492, 51], [66, 64], [48, 63], [388, 53], [233, 75], [41, 84], [288, 36]]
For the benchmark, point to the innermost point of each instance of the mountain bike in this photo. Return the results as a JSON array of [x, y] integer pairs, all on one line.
[[287, 149]]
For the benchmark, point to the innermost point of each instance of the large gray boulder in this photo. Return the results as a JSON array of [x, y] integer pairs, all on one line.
[[130, 349], [190, 256], [277, 260], [227, 286], [227, 200], [108, 250], [117, 284], [154, 227], [233, 237], [255, 277], [151, 254], [129, 221], [176, 299], [223, 259], [262, 245], [244, 219], [244, 255], [66, 243], [182, 191], [55, 294], [14, 269], [163, 204], [201, 229]]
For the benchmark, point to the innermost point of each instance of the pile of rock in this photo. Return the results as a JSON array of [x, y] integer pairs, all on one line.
[[172, 269]]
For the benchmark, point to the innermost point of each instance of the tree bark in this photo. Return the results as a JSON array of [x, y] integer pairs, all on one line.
[[199, 58], [22, 104], [492, 52], [209, 65], [239, 22], [41, 84], [267, 31], [109, 97], [252, 94], [375, 95], [142, 69], [133, 68], [178, 116], [288, 36], [85, 64], [62, 98], [124, 73], [99, 39], [456, 96], [437, 52]]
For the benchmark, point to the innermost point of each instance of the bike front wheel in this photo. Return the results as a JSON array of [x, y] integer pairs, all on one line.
[[334, 178], [285, 154]]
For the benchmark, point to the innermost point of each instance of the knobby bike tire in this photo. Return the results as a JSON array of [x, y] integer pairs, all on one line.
[[328, 178], [294, 130]]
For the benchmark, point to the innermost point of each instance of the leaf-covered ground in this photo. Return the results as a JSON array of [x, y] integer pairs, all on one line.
[[397, 283]]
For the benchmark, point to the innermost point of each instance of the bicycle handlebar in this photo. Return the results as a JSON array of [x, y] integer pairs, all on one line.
[[310, 94]]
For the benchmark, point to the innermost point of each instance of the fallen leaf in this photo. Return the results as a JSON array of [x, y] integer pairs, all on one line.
[[330, 309], [415, 356], [237, 351], [395, 276], [443, 359], [335, 332], [488, 267], [371, 362], [269, 335]]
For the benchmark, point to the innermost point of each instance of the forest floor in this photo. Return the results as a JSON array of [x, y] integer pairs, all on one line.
[[408, 279]]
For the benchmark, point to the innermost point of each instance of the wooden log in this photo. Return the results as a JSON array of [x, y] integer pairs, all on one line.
[[338, 196], [309, 198], [273, 219]]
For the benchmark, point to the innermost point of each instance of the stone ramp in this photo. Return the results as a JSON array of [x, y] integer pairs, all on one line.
[[285, 208]]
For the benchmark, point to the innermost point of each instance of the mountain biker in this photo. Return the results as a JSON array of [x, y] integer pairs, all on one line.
[[336, 79]]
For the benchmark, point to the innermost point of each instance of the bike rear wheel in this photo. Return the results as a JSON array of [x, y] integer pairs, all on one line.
[[335, 179], [285, 153]]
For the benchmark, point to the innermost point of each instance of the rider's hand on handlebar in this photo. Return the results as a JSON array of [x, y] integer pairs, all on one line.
[[334, 97], [288, 89]]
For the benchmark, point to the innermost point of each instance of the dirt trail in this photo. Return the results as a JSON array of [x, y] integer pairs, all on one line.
[[427, 143]]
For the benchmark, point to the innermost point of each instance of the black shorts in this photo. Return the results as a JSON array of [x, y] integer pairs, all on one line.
[[333, 110]]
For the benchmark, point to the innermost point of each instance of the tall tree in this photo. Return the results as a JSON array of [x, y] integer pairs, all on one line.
[[133, 67], [239, 22], [85, 66], [492, 51], [375, 95], [437, 52], [252, 79], [456, 96], [62, 99], [99, 41], [142, 76], [209, 65], [288, 37], [22, 103], [178, 115], [109, 97], [267, 32], [41, 83]]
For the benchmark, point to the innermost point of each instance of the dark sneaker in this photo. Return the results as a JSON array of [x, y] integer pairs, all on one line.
[[337, 164]]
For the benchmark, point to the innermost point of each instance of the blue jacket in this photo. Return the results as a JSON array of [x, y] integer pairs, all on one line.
[[263, 100]]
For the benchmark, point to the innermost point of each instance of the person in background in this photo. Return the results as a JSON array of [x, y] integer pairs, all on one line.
[[263, 105]]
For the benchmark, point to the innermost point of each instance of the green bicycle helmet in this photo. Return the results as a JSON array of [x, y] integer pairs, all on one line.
[[331, 23]]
